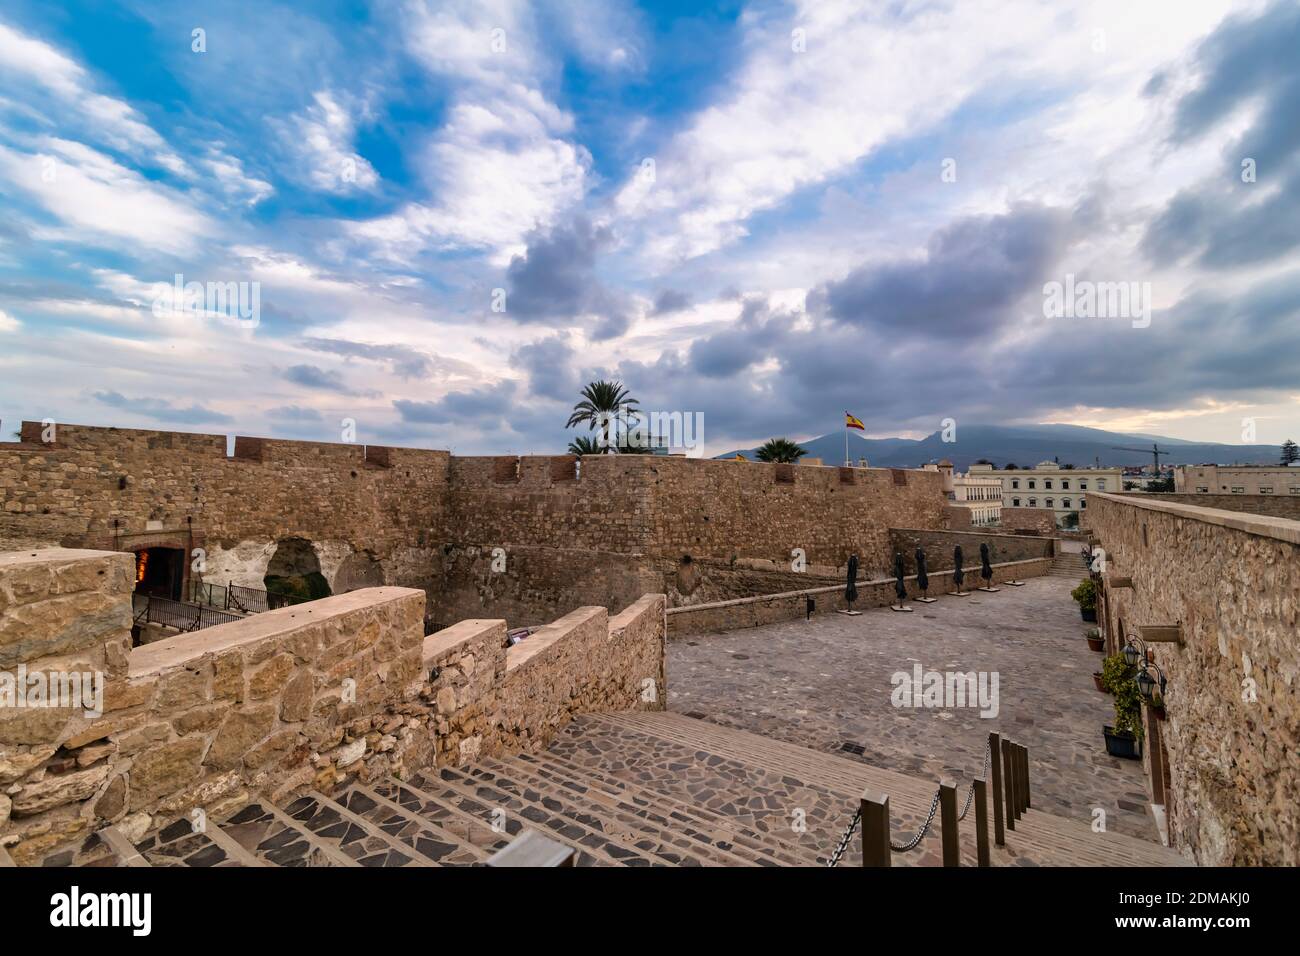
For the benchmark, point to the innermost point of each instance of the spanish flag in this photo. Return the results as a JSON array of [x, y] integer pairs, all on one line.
[[851, 422]]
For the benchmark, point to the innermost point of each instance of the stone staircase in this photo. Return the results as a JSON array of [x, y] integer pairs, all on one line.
[[630, 789], [1069, 564]]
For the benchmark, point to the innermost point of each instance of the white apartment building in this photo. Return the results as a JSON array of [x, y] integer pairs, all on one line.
[[1237, 480], [980, 495], [1048, 485]]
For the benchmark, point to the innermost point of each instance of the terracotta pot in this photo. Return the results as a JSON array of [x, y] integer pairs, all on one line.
[[1096, 643], [1096, 679]]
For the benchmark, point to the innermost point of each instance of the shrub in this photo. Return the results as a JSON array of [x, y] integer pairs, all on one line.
[[1086, 595], [1119, 678]]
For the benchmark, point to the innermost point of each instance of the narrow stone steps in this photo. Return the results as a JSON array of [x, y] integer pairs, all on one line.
[[270, 835], [1039, 838], [349, 833], [470, 830], [180, 844], [630, 823], [551, 816], [420, 835], [760, 850], [774, 806]]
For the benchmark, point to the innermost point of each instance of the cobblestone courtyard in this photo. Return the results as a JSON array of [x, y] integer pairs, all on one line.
[[826, 684]]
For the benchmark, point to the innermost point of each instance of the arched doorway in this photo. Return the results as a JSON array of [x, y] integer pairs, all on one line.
[[294, 570], [160, 572]]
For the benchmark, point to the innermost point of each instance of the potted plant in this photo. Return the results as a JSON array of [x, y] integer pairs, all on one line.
[[1101, 684], [1124, 739], [1096, 642], [1086, 595]]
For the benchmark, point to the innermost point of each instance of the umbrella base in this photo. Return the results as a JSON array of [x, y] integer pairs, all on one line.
[[988, 590], [959, 594], [925, 600], [1013, 584], [850, 613], [900, 607]]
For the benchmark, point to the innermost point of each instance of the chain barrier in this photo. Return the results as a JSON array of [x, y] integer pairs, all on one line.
[[844, 840], [920, 834], [970, 794], [911, 844]]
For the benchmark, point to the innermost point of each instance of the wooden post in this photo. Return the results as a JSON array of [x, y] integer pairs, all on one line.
[[875, 829], [1008, 781], [1024, 757], [1019, 765], [995, 766], [981, 821], [948, 823]]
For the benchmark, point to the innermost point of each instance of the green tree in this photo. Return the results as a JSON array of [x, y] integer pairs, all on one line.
[[780, 450], [599, 408], [1290, 452]]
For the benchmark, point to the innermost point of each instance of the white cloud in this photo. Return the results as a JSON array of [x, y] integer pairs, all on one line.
[[321, 141], [90, 192], [871, 75], [503, 163], [8, 323]]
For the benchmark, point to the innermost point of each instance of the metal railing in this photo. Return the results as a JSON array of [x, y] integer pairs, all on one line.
[[1009, 763], [181, 615], [236, 597]]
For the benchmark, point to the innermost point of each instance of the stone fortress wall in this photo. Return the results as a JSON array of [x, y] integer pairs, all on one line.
[[1229, 741], [600, 530], [302, 697]]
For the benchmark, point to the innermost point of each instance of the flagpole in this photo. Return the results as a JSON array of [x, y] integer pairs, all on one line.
[[846, 439]]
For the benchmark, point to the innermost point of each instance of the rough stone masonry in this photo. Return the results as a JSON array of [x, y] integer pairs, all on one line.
[[527, 538]]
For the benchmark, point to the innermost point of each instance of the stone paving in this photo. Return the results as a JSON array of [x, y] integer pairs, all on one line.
[[826, 684]]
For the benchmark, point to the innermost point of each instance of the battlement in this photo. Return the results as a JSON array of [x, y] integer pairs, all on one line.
[[60, 437]]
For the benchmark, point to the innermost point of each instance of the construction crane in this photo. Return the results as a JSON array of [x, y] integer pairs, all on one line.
[[1155, 451]]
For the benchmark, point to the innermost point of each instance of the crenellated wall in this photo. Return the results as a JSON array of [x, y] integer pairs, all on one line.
[[307, 696], [1231, 731], [526, 539]]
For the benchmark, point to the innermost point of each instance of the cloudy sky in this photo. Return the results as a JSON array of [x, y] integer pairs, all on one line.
[[457, 213]]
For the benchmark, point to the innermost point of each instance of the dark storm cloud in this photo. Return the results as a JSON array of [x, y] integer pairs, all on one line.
[[402, 360], [670, 300], [294, 413], [162, 410], [477, 405], [739, 345], [974, 271], [1224, 221], [549, 365], [314, 377], [556, 279]]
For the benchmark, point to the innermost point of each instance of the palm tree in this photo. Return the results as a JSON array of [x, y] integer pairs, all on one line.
[[780, 450], [600, 403], [582, 445]]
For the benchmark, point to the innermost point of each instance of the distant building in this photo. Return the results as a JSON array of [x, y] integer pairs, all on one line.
[[1237, 480], [979, 494], [1048, 485]]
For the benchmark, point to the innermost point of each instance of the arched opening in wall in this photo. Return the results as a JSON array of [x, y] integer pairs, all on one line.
[[357, 571], [159, 572], [294, 570]]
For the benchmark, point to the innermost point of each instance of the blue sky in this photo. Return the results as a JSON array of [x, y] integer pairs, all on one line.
[[762, 212]]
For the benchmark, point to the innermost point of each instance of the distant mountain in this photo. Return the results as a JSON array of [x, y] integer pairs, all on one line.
[[1026, 446]]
